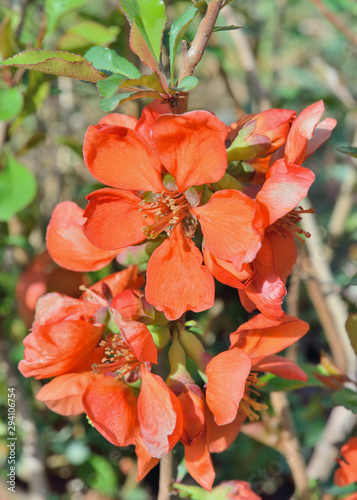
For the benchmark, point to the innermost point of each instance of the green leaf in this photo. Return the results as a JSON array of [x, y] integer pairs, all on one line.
[[87, 33], [351, 327], [177, 32], [110, 85], [150, 81], [55, 9], [111, 103], [147, 19], [55, 62], [11, 102], [348, 150], [187, 83], [105, 59], [17, 189], [344, 397], [201, 5], [274, 383], [226, 28]]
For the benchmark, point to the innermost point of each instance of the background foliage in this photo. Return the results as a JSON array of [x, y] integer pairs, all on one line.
[[287, 54]]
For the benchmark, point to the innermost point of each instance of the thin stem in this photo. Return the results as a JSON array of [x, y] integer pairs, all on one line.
[[289, 444], [166, 476], [336, 21], [192, 56]]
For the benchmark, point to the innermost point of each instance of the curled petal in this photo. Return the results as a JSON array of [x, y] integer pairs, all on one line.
[[321, 134], [265, 289], [227, 374], [137, 336], [129, 304], [192, 147], [199, 463], [113, 219], [228, 217], [280, 366], [54, 307], [112, 409], [285, 187], [117, 282], [193, 416], [56, 349], [160, 415], [176, 281], [118, 157], [301, 131], [263, 337], [64, 393], [220, 437], [67, 244], [225, 271]]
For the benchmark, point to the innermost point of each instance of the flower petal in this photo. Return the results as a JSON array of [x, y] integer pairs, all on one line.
[[68, 246], [284, 251], [176, 281], [263, 337], [137, 336], [192, 147], [63, 347], [118, 157], [225, 271], [117, 282], [227, 374], [301, 130], [265, 289], [286, 185], [193, 416], [119, 120], [112, 409], [160, 415], [113, 219], [321, 134], [54, 307], [148, 116], [145, 461], [282, 367], [64, 393], [129, 303], [220, 437], [227, 217], [199, 463]]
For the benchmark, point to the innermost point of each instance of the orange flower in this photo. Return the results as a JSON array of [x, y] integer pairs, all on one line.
[[253, 347], [68, 246], [347, 472], [154, 169], [236, 490], [95, 348]]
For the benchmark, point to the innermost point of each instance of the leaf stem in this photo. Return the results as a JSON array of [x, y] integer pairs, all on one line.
[[166, 476]]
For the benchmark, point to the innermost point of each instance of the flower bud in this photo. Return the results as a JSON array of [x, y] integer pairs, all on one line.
[[263, 134]]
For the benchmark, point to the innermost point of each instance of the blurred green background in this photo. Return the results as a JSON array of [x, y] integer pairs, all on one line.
[[287, 54]]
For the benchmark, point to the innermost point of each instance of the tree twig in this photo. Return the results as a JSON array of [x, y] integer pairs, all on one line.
[[336, 21], [289, 444], [166, 476], [192, 56]]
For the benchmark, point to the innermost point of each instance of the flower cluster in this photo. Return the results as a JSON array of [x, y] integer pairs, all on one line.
[[175, 189]]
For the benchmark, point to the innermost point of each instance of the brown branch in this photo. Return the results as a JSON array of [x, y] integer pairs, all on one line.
[[192, 56], [289, 444], [166, 476], [336, 21]]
